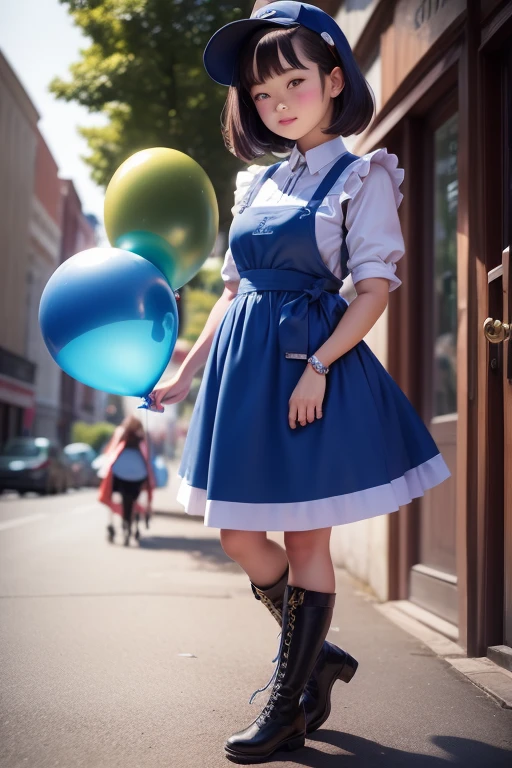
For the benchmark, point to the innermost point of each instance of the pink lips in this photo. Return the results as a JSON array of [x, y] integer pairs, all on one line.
[[287, 122]]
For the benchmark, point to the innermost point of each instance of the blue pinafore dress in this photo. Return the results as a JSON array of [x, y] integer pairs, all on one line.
[[243, 467]]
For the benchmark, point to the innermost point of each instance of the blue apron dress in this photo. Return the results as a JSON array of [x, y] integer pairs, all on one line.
[[243, 467]]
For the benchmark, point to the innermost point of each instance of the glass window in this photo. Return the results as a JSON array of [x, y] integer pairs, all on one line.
[[446, 193]]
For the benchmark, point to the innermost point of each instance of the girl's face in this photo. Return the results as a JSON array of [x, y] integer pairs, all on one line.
[[294, 104]]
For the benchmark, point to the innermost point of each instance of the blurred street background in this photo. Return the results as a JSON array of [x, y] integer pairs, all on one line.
[[146, 655]]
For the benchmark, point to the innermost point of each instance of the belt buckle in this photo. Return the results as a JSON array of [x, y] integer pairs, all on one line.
[[295, 356]]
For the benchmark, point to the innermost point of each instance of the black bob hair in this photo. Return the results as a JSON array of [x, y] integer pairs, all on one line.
[[245, 135]]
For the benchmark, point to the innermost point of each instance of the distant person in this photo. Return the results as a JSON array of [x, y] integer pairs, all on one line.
[[127, 471]]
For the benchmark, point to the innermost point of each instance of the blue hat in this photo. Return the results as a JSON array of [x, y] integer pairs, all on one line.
[[222, 52]]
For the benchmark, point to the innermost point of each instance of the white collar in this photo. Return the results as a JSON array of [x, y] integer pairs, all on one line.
[[318, 157]]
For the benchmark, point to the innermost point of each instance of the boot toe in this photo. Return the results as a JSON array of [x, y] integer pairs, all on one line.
[[259, 741], [243, 741]]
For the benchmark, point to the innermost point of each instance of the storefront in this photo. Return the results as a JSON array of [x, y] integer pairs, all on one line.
[[442, 72], [17, 395]]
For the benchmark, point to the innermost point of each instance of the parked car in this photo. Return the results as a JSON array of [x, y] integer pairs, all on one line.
[[80, 457], [33, 464]]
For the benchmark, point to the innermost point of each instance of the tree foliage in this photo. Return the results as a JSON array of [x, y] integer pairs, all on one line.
[[95, 435], [143, 71]]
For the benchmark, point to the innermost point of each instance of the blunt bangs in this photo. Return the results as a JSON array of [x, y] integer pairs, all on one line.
[[245, 135], [261, 61]]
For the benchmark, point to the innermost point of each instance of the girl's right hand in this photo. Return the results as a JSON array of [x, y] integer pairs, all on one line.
[[171, 391]]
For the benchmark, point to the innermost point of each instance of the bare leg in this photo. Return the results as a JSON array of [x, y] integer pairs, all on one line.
[[263, 560], [310, 560]]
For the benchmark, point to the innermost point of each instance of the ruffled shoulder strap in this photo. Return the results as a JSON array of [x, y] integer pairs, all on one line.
[[358, 171], [248, 181]]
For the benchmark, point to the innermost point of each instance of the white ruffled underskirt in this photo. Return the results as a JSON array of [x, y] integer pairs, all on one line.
[[318, 513]]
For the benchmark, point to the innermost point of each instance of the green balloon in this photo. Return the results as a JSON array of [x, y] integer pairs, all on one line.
[[161, 205]]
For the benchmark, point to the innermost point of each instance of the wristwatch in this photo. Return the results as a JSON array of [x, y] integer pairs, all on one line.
[[317, 365]]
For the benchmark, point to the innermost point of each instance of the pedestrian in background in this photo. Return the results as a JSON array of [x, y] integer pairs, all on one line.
[[127, 471]]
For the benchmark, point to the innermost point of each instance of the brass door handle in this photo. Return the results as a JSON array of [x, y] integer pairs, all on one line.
[[495, 331]]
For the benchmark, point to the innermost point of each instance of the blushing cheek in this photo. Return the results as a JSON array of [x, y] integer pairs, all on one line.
[[264, 109], [308, 97]]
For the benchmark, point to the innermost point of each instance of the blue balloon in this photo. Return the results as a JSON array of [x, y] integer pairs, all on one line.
[[109, 319]]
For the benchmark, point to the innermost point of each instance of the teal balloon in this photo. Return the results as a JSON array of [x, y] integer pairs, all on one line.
[[156, 250], [109, 319]]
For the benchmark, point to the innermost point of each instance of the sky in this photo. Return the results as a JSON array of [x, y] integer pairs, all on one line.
[[39, 40]]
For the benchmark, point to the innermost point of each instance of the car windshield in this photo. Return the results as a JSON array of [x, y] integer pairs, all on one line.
[[24, 448], [79, 453]]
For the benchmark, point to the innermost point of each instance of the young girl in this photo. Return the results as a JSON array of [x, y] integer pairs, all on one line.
[[297, 426]]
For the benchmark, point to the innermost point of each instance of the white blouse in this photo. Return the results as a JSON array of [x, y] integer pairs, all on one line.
[[371, 186]]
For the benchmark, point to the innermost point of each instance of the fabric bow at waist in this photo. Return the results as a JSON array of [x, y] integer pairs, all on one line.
[[293, 322]]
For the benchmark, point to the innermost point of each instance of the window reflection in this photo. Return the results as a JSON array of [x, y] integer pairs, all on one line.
[[446, 193]]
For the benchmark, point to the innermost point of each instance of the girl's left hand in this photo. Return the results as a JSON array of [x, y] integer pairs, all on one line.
[[305, 404]]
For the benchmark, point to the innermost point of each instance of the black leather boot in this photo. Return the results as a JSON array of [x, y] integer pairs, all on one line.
[[282, 722], [332, 663]]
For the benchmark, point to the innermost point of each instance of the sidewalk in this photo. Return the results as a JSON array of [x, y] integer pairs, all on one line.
[[146, 656], [405, 708]]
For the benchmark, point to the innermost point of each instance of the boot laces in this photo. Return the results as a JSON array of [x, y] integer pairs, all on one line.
[[296, 599]]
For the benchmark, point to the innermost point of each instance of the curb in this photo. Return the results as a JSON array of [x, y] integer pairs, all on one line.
[[495, 681]]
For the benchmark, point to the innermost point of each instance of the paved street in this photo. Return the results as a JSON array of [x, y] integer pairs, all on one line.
[[146, 656]]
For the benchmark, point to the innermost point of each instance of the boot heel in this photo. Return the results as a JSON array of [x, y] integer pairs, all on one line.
[[349, 669], [296, 743]]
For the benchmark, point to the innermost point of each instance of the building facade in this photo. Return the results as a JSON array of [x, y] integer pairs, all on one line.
[[441, 71], [44, 258], [78, 402], [41, 225], [18, 140]]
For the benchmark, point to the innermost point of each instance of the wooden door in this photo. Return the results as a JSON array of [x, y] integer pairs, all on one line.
[[496, 611], [507, 450], [433, 579], [498, 331]]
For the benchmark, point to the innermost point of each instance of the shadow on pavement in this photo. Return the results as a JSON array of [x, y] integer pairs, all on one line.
[[364, 753], [206, 551]]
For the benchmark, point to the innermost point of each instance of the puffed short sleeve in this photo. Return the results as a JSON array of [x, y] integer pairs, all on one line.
[[374, 240], [244, 182]]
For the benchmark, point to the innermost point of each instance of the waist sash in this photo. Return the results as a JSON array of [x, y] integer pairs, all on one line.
[[293, 322]]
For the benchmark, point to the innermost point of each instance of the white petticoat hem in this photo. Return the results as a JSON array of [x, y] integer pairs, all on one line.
[[318, 513]]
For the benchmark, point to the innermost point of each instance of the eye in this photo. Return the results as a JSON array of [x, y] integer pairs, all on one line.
[[298, 81], [257, 97]]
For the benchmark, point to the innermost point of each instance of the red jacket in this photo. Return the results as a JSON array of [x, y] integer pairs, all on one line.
[[114, 449]]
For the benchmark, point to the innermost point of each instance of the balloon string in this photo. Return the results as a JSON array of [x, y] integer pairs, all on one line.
[[147, 435]]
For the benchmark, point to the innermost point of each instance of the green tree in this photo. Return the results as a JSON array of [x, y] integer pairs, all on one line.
[[143, 71], [95, 435]]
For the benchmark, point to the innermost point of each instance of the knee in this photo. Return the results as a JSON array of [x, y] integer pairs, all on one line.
[[298, 547], [237, 544], [301, 546]]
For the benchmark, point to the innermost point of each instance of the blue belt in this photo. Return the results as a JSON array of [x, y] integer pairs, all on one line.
[[293, 323]]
